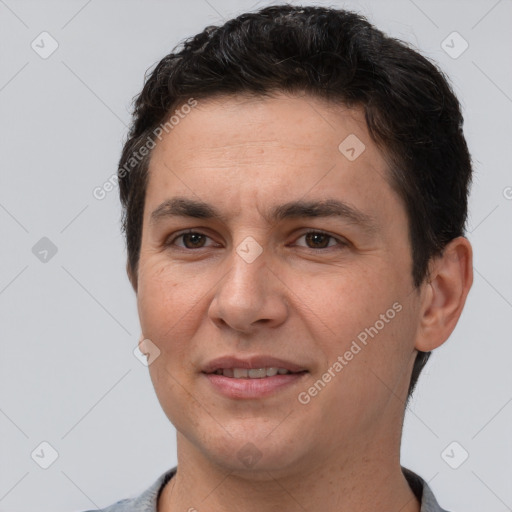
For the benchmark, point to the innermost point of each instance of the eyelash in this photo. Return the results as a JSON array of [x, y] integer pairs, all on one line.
[[340, 243]]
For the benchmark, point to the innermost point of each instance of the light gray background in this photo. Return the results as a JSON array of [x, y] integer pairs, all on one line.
[[68, 375]]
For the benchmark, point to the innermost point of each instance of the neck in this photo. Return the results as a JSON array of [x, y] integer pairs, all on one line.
[[363, 480]]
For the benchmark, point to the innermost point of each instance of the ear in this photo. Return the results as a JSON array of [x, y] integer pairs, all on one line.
[[446, 288], [131, 276]]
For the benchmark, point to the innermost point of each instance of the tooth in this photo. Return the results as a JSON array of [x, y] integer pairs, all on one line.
[[240, 373], [257, 373], [253, 373]]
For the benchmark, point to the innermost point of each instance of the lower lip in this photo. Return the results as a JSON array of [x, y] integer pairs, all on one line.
[[253, 388]]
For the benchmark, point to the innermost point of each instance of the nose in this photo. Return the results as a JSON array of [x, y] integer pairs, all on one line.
[[249, 296]]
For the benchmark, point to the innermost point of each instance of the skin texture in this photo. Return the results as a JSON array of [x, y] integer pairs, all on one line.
[[303, 300]]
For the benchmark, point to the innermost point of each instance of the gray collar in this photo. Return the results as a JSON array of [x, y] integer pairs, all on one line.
[[147, 501]]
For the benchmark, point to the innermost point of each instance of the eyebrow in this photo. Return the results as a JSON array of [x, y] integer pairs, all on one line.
[[185, 207]]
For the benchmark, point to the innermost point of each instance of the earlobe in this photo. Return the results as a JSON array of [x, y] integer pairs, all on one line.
[[449, 282]]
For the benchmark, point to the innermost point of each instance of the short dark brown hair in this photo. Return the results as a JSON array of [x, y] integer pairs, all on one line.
[[411, 111]]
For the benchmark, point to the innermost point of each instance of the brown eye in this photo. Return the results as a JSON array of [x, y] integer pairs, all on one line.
[[190, 240], [320, 240], [194, 239]]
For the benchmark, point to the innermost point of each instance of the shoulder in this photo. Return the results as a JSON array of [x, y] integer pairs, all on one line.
[[422, 491], [144, 502]]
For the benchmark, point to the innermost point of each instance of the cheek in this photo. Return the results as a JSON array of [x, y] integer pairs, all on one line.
[[366, 367], [168, 311], [353, 299], [370, 326], [163, 298]]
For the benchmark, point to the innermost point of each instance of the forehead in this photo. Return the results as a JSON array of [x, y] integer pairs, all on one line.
[[258, 147], [234, 125]]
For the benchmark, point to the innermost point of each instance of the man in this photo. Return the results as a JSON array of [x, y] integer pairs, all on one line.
[[295, 191]]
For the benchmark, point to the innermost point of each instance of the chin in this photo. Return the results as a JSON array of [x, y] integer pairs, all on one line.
[[252, 454]]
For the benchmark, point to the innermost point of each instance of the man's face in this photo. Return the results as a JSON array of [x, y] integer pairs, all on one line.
[[307, 290]]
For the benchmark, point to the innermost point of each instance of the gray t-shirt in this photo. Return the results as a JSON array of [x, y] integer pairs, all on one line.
[[147, 501]]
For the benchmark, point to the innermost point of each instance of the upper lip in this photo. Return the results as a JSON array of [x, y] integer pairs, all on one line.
[[252, 362]]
